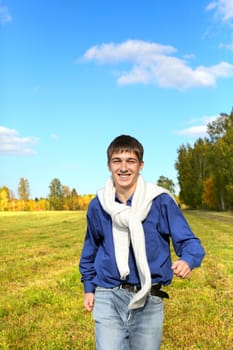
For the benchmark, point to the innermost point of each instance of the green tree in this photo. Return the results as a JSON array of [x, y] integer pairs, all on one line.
[[205, 171], [201, 151], [23, 189], [74, 202], [218, 127], [192, 166], [221, 159], [167, 183], [56, 195], [228, 141], [186, 179], [71, 201]]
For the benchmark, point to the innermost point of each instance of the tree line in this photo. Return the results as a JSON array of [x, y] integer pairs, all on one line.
[[60, 198], [204, 172]]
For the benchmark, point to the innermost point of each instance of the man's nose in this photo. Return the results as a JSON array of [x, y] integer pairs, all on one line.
[[124, 166]]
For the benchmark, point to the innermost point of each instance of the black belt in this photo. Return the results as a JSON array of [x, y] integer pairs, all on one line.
[[155, 289]]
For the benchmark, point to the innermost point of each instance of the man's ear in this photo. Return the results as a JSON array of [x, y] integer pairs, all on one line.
[[141, 165]]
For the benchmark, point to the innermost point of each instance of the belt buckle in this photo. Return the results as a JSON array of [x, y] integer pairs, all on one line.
[[130, 287]]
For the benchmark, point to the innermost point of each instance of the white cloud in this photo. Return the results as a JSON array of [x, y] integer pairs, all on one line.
[[54, 136], [228, 46], [13, 144], [5, 16], [154, 63], [189, 56], [194, 131], [222, 8], [209, 119], [130, 50], [211, 6], [198, 130]]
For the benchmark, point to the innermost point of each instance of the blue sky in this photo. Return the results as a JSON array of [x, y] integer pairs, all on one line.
[[75, 74]]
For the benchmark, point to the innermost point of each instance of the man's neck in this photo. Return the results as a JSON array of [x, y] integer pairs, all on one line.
[[123, 194]]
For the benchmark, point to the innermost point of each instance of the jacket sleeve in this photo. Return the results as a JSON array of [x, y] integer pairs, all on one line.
[[186, 244], [88, 255]]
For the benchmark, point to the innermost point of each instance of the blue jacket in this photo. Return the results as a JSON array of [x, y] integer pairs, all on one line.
[[164, 222]]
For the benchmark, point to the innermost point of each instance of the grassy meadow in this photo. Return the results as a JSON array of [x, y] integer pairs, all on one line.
[[41, 297]]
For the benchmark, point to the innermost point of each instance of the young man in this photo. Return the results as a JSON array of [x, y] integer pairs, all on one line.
[[126, 254]]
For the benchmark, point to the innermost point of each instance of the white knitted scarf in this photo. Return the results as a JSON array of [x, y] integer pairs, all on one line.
[[127, 226]]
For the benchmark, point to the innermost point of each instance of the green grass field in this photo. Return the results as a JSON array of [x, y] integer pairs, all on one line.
[[41, 297]]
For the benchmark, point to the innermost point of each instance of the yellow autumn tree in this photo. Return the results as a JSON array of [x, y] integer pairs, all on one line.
[[209, 197], [4, 198]]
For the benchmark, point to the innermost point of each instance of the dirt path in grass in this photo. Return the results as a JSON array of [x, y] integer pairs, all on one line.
[[214, 216]]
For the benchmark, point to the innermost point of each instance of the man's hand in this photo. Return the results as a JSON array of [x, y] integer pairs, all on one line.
[[181, 268], [89, 301]]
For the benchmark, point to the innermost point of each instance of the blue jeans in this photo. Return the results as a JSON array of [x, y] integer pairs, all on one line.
[[118, 328]]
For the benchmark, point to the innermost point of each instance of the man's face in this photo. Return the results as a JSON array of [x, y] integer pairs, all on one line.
[[125, 168]]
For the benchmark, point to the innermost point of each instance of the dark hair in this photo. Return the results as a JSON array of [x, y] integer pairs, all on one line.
[[125, 143]]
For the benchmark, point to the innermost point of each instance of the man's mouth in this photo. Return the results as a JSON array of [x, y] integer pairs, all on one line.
[[124, 176]]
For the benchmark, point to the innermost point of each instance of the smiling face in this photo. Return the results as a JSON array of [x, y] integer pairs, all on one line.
[[125, 167]]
